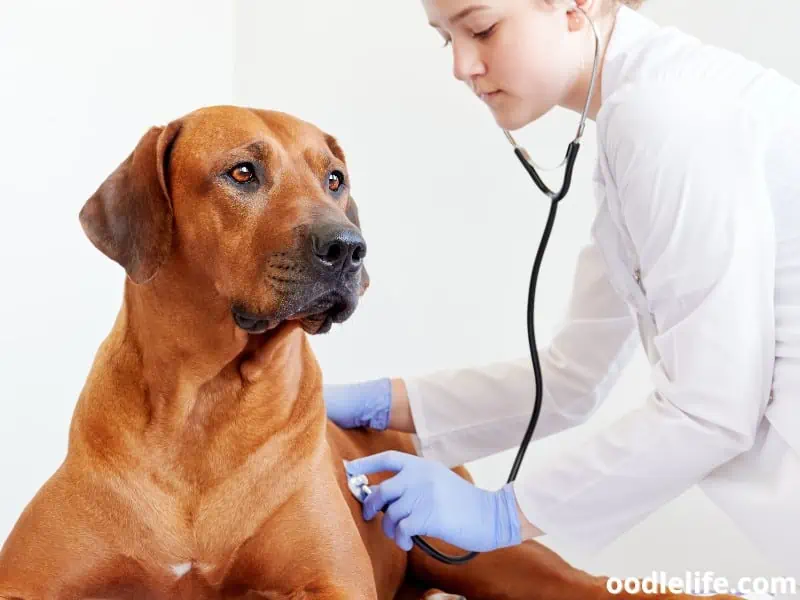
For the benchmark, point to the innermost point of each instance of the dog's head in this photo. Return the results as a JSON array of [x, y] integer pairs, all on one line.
[[253, 204]]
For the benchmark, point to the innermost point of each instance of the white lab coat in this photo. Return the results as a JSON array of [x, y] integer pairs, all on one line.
[[696, 246]]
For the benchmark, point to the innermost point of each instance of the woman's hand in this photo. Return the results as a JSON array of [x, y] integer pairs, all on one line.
[[426, 498], [364, 404], [378, 404]]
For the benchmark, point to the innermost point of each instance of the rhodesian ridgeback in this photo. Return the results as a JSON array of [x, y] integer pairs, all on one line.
[[200, 462]]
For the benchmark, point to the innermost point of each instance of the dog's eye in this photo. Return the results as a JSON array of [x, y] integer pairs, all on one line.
[[243, 173], [335, 180]]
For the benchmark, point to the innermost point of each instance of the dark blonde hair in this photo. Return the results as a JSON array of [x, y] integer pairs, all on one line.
[[609, 5]]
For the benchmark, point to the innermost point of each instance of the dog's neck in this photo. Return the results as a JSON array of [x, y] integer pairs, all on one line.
[[181, 331], [197, 370]]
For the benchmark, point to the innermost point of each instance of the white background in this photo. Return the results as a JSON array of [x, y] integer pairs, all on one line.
[[451, 220]]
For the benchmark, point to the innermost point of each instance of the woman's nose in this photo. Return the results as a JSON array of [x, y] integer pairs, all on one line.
[[467, 62]]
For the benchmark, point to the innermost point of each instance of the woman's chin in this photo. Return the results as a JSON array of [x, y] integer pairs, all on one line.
[[508, 118], [512, 116]]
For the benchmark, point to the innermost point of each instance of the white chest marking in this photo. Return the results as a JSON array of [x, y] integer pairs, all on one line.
[[181, 569]]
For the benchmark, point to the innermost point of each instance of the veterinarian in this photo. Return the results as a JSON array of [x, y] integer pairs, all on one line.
[[695, 254]]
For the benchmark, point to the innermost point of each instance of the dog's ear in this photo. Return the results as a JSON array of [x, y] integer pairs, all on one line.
[[351, 212], [129, 217]]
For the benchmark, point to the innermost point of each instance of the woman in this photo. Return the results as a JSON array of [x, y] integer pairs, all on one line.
[[696, 244]]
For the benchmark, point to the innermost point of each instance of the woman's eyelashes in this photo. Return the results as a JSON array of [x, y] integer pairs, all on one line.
[[485, 33], [480, 34]]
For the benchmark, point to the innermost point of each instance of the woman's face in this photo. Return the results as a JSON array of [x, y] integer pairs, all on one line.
[[518, 56]]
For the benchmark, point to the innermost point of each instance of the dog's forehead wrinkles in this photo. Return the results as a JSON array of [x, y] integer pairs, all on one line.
[[267, 135], [317, 159], [250, 122], [259, 149], [302, 139], [287, 128]]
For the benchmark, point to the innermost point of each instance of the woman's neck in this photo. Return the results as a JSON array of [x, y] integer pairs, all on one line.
[[576, 97]]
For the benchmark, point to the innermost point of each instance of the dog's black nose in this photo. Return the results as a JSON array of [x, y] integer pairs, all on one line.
[[338, 247]]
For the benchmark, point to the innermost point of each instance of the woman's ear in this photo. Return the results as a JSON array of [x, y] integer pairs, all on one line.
[[577, 11]]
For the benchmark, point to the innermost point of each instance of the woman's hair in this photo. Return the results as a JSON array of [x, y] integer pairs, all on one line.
[[608, 5]]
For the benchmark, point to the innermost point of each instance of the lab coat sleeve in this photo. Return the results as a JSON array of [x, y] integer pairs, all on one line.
[[690, 176], [465, 414]]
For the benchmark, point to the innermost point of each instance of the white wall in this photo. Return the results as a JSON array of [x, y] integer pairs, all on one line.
[[80, 82], [451, 220]]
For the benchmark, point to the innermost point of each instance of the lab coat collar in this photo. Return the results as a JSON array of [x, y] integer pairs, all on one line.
[[630, 29]]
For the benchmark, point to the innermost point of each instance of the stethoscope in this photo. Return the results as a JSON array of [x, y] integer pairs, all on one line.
[[359, 485]]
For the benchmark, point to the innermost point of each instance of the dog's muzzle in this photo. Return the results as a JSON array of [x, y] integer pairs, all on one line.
[[337, 249], [250, 322], [327, 282]]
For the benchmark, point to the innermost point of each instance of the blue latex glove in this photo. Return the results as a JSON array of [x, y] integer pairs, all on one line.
[[365, 404], [426, 498]]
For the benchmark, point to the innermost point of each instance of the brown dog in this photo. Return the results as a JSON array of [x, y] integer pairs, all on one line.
[[200, 462]]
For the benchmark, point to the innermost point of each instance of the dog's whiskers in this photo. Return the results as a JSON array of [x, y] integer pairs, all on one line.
[[285, 266], [284, 279]]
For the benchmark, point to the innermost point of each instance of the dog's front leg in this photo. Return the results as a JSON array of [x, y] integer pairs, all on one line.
[[58, 546], [309, 548]]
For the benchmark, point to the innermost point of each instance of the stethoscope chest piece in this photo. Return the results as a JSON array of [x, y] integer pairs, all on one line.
[[359, 487]]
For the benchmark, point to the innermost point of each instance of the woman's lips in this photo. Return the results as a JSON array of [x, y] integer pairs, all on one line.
[[489, 96]]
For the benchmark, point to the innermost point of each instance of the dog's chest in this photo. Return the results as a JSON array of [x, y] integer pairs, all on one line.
[[194, 553], [192, 581], [189, 541]]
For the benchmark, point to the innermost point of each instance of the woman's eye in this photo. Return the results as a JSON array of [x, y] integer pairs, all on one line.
[[335, 180], [485, 33], [243, 173]]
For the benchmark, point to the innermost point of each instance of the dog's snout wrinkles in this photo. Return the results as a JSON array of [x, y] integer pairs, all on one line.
[[338, 248]]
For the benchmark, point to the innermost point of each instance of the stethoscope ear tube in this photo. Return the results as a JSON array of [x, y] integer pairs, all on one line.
[[555, 198]]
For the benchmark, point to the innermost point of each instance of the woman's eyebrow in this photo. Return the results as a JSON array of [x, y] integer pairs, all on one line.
[[463, 13]]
